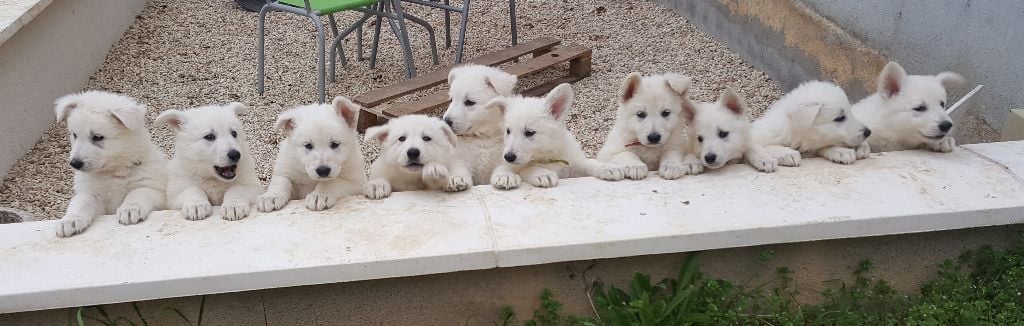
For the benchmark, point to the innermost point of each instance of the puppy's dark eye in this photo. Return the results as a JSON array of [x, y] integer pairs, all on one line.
[[234, 134], [641, 114], [529, 133], [426, 138], [469, 103], [97, 137], [210, 137], [401, 138], [74, 135], [700, 139], [921, 109], [840, 118], [723, 134], [334, 144], [508, 131], [942, 103], [666, 113], [309, 146]]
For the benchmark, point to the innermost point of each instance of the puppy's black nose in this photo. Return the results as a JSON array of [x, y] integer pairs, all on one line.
[[449, 121], [510, 157], [323, 171], [867, 132], [413, 153], [77, 164], [946, 125], [234, 155], [710, 158], [654, 138]]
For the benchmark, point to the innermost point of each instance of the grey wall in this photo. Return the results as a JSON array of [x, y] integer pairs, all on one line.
[[53, 55], [982, 40]]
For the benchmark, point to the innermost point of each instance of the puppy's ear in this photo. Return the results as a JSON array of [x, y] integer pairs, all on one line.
[[451, 74], [347, 110], [378, 133], [732, 101], [497, 103], [629, 87], [172, 118], [890, 81], [285, 122], [950, 79], [239, 108], [132, 117], [689, 110], [450, 135], [678, 83], [64, 105], [559, 101], [501, 82], [805, 114]]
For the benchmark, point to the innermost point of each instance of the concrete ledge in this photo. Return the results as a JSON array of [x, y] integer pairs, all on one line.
[[17, 13], [418, 233]]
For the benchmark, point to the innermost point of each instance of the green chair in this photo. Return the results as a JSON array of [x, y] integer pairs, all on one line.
[[313, 9]]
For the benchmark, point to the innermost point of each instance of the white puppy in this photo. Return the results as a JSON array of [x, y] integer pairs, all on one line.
[[118, 170], [909, 112], [649, 131], [211, 164], [719, 133], [813, 118], [538, 146], [320, 160], [470, 87], [415, 153]]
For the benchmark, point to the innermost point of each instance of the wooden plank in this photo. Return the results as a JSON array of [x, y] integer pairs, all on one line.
[[543, 89], [440, 75], [559, 54]]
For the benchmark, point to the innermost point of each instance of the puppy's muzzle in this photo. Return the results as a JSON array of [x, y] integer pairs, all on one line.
[[653, 138], [76, 164], [323, 171], [710, 158], [234, 156], [510, 157]]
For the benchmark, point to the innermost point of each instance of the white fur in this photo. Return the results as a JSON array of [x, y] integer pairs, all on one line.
[[535, 134], [721, 129], [470, 87], [193, 184], [396, 170], [321, 139], [122, 172], [814, 118], [891, 115], [650, 108]]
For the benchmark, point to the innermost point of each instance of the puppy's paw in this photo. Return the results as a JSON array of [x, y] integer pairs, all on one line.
[[195, 211], [946, 145], [789, 158], [610, 172], [435, 172], [234, 211], [841, 155], [863, 151], [669, 171], [693, 166], [543, 178], [270, 202], [131, 213], [457, 183], [765, 164], [635, 172], [71, 225], [377, 189], [505, 180], [319, 200]]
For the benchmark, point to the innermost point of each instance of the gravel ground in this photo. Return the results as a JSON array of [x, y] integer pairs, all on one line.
[[180, 54]]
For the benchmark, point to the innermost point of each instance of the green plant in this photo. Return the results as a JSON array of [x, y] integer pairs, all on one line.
[[80, 315]]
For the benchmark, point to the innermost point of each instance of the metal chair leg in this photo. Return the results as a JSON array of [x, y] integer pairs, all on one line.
[[512, 21], [336, 43], [376, 42], [447, 26], [260, 49], [430, 34], [462, 32], [321, 87], [410, 66]]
